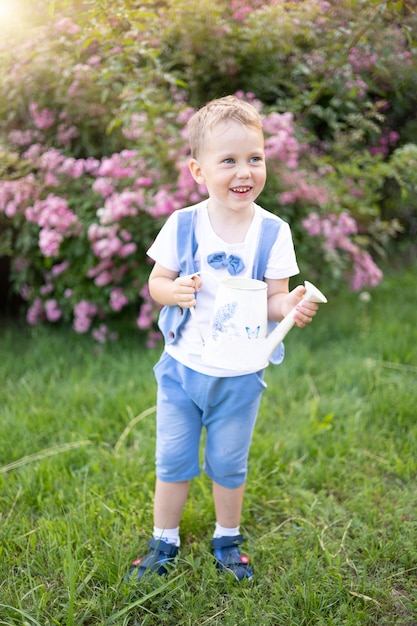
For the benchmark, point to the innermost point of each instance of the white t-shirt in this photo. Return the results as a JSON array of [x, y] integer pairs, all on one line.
[[281, 264]]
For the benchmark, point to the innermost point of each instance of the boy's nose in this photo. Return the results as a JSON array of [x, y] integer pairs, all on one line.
[[243, 172]]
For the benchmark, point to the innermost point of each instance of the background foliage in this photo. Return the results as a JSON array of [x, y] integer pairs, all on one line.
[[93, 145]]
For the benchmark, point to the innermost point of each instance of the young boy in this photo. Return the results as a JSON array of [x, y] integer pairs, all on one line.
[[224, 235]]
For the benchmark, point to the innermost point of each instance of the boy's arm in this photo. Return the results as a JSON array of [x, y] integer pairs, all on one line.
[[167, 288], [281, 302]]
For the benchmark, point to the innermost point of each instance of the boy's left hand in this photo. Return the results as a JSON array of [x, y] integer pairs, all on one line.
[[305, 311]]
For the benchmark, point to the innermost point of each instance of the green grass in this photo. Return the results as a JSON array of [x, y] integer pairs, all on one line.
[[330, 509]]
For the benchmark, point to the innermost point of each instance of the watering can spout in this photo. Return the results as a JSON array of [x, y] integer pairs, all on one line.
[[312, 294]]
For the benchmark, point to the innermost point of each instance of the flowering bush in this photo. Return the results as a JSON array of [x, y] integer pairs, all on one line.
[[336, 232], [95, 150], [83, 225], [82, 229]]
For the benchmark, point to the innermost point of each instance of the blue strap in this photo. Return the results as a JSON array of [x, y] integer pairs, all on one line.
[[267, 237], [186, 242]]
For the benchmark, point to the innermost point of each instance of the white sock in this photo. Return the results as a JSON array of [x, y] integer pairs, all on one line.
[[221, 531], [169, 535]]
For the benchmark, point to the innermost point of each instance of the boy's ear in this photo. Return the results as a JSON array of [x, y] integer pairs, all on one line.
[[196, 172]]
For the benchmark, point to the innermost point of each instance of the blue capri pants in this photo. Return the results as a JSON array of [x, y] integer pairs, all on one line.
[[226, 407]]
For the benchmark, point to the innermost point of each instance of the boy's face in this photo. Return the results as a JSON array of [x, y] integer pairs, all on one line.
[[232, 166]]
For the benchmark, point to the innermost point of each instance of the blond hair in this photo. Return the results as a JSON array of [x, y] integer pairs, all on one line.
[[215, 112]]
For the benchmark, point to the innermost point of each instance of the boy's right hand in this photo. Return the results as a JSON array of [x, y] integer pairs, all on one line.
[[167, 288], [184, 289]]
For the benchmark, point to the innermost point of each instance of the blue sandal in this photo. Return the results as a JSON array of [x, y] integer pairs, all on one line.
[[161, 555], [229, 558]]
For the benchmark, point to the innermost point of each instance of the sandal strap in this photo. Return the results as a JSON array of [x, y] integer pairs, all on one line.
[[162, 546], [160, 556], [227, 542]]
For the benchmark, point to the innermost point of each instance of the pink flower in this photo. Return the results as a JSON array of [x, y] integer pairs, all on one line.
[[46, 289], [312, 224], [33, 152], [26, 292], [51, 180], [65, 134], [103, 186], [334, 228], [142, 181], [276, 122], [23, 137], [393, 137], [145, 318], [163, 204], [148, 310], [103, 279], [73, 167], [15, 193], [126, 235], [119, 205], [51, 159], [52, 311], [102, 334], [185, 182], [127, 250], [365, 272], [49, 242], [60, 267], [117, 299], [53, 213], [67, 26], [43, 119], [336, 231], [94, 60], [91, 165], [10, 209], [153, 339], [84, 312], [102, 266], [117, 166], [184, 115], [105, 242], [35, 312]]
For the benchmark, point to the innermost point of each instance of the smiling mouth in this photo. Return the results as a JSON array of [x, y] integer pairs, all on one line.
[[240, 189]]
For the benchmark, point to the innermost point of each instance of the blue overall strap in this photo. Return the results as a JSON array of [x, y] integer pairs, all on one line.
[[267, 238], [186, 242], [173, 318]]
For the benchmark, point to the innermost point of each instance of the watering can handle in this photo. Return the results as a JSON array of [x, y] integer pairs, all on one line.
[[312, 294], [196, 322], [192, 309]]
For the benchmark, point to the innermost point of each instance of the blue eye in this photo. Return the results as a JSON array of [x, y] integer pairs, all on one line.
[[229, 160]]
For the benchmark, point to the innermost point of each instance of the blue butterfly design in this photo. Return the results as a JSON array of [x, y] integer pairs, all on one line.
[[253, 333]]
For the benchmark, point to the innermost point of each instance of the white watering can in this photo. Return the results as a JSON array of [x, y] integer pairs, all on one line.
[[238, 338]]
